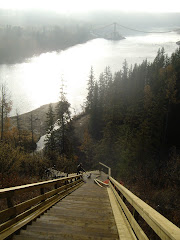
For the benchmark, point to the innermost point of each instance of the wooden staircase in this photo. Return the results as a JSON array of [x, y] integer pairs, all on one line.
[[70, 208], [84, 214]]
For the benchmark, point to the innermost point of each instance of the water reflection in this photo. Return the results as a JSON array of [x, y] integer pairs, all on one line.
[[37, 81]]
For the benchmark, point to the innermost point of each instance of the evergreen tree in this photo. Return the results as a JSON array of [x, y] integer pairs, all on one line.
[[18, 121], [90, 96], [63, 124], [95, 115], [32, 123], [50, 134]]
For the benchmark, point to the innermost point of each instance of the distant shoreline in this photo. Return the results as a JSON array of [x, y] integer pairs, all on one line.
[[19, 44]]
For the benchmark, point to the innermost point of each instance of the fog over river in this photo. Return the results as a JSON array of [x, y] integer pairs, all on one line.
[[37, 81]]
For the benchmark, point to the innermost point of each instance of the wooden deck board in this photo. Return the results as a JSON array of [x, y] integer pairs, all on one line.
[[84, 214]]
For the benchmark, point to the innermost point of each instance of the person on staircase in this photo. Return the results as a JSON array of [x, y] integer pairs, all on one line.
[[80, 169]]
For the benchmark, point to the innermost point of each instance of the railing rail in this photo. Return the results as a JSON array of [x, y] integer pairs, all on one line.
[[15, 217], [165, 229]]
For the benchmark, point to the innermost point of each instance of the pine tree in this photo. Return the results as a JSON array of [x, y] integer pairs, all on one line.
[[18, 120], [107, 76], [63, 123], [95, 117], [50, 138], [90, 96], [32, 123]]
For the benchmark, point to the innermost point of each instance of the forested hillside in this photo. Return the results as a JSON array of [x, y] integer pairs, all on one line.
[[18, 42], [135, 115], [134, 126]]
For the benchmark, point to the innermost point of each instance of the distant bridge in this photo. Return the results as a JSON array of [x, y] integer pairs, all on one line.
[[108, 32], [69, 208]]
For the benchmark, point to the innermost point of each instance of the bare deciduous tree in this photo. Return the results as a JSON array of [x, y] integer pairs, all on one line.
[[5, 106]]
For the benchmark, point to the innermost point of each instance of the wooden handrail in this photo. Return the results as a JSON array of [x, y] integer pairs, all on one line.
[[165, 229], [28, 187], [16, 216], [109, 169]]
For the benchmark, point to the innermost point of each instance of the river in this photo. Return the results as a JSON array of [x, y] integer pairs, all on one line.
[[37, 81]]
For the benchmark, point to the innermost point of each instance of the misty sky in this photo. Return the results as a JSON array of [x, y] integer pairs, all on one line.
[[66, 6]]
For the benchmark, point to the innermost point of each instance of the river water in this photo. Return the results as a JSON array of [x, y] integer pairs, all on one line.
[[37, 81]]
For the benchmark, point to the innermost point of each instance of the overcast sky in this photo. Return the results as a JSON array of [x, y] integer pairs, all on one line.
[[87, 5]]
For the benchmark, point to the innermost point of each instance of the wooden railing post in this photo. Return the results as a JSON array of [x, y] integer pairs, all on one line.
[[135, 215], [109, 169], [42, 193], [10, 204], [124, 199]]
